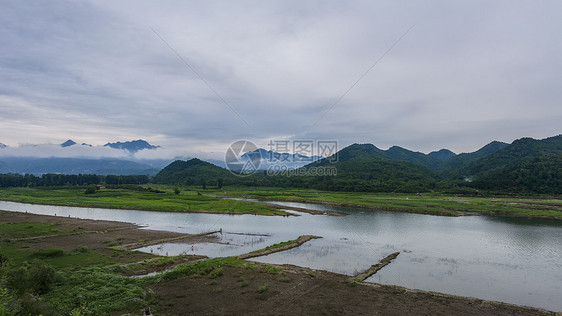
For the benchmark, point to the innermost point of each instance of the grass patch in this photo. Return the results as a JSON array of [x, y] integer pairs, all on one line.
[[278, 245], [262, 288], [217, 272], [47, 253], [202, 268], [273, 269], [217, 289], [285, 279], [429, 203], [26, 229], [243, 282], [187, 201], [100, 291], [81, 249]]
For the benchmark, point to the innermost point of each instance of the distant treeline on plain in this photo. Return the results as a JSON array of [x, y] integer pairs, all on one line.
[[29, 180]]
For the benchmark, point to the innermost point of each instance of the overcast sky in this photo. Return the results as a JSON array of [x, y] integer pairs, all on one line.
[[466, 72]]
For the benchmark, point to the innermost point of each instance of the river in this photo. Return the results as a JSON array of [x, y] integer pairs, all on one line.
[[513, 260]]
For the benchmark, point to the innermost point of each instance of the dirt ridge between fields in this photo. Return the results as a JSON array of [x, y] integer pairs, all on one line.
[[375, 268], [299, 241]]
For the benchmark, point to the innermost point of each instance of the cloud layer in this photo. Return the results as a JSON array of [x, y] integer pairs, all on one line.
[[469, 72]]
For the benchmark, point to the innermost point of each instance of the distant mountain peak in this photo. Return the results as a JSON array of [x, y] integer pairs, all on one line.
[[3, 145], [442, 154], [132, 146], [84, 144], [68, 143], [273, 156]]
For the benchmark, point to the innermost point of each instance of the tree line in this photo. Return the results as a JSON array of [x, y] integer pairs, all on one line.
[[29, 180]]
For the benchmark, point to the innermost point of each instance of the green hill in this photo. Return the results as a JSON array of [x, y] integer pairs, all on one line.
[[364, 167], [526, 165], [534, 175], [516, 152], [190, 172], [442, 154], [457, 166], [421, 159]]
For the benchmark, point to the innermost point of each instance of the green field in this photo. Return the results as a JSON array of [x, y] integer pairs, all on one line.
[[212, 200], [185, 201], [427, 203]]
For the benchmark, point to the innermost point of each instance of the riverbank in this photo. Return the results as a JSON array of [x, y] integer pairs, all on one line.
[[421, 203], [230, 200], [187, 201], [243, 288]]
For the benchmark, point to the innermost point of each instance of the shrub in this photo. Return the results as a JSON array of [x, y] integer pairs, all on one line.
[[82, 249], [91, 189], [37, 277], [41, 277], [8, 304], [47, 253]]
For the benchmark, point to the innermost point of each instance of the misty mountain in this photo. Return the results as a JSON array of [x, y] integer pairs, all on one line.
[[132, 146], [3, 145], [270, 158], [68, 143], [102, 166]]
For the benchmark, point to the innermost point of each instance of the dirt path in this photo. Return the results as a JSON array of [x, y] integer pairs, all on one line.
[[301, 240], [375, 268]]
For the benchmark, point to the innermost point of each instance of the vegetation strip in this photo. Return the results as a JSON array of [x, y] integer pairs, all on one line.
[[304, 210], [278, 247], [125, 197], [160, 241], [76, 233], [426, 203], [375, 268]]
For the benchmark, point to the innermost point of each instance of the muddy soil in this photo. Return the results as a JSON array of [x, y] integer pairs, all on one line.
[[97, 235], [300, 291]]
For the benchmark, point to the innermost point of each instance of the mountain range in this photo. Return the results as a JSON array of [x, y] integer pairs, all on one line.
[[525, 165], [100, 166], [129, 165], [132, 146]]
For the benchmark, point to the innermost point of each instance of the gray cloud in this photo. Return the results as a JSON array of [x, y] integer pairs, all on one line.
[[468, 73]]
